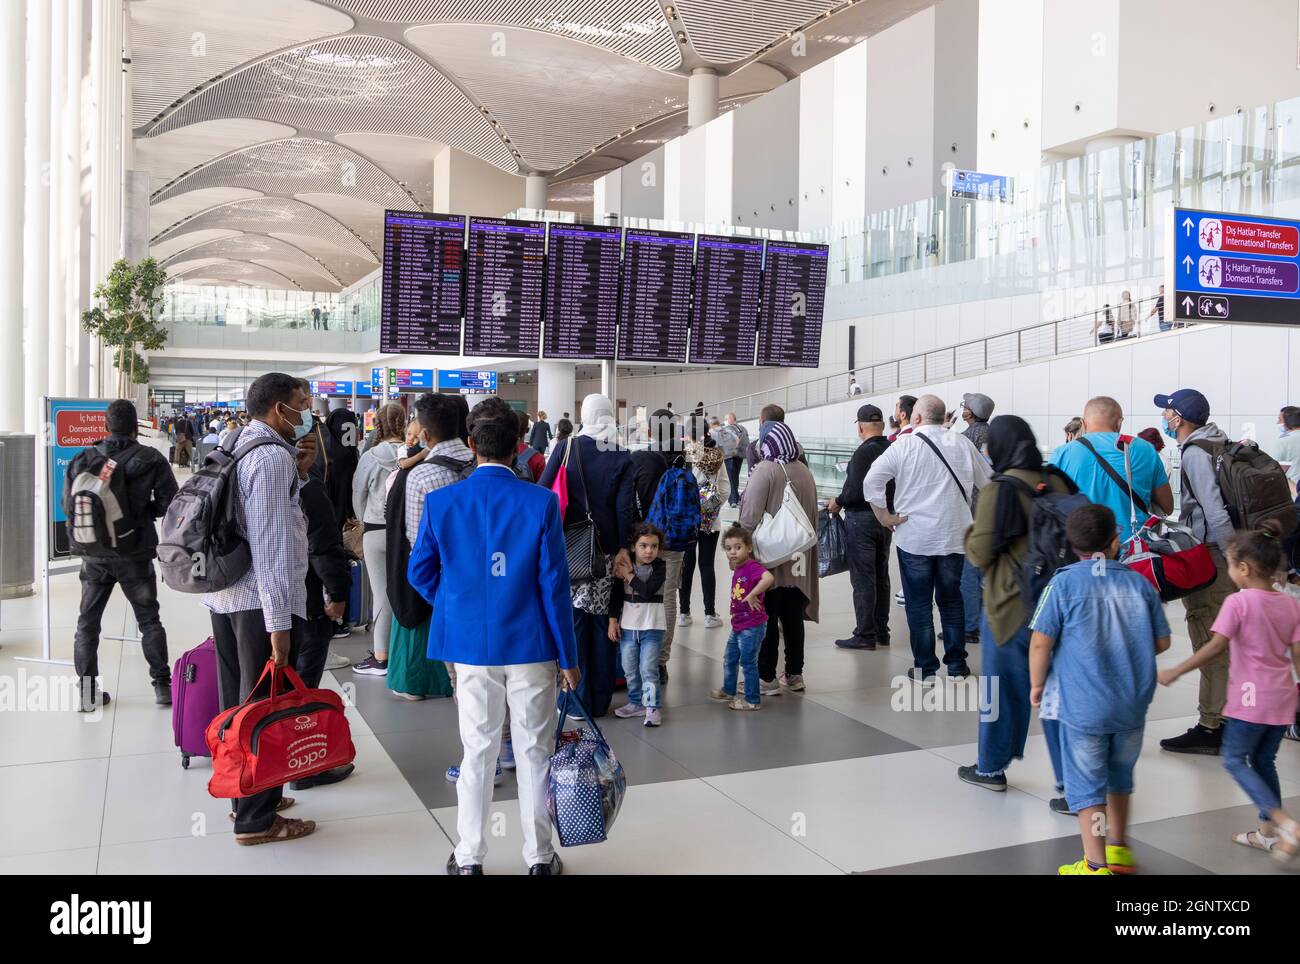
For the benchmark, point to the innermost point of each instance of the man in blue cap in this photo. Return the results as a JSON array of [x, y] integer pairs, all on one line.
[[1187, 420]]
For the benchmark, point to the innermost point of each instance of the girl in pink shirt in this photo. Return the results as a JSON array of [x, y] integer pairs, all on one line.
[[1260, 629]]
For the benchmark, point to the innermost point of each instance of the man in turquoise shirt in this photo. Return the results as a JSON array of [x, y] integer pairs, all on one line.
[[1082, 460]]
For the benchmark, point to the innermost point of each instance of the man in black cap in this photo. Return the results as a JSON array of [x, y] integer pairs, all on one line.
[[1202, 509], [868, 540]]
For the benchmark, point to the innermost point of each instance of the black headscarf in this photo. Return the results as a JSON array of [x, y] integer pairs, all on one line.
[[1012, 446]]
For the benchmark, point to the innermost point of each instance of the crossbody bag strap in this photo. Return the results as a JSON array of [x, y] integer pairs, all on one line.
[[1106, 467], [582, 477], [935, 449]]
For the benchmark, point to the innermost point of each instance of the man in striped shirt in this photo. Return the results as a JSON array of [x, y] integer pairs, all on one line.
[[263, 615]]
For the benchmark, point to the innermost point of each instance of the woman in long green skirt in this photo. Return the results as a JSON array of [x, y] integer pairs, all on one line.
[[411, 674]]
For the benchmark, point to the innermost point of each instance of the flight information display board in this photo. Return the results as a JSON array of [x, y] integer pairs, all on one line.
[[654, 307], [503, 287], [421, 303], [582, 274], [794, 294], [724, 311]]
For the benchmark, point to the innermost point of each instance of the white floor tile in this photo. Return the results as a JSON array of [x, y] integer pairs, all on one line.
[[79, 862], [51, 806]]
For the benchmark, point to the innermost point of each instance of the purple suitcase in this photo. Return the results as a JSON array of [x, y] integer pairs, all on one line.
[[195, 701]]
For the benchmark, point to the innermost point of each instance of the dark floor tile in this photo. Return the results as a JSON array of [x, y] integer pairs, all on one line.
[[1206, 839], [1040, 857]]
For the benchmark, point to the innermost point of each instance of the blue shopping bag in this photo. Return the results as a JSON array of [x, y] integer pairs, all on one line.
[[587, 784]]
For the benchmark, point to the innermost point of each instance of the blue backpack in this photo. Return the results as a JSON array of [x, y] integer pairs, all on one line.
[[675, 509]]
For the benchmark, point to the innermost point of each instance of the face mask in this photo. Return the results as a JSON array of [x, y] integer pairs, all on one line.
[[1164, 422], [303, 427]]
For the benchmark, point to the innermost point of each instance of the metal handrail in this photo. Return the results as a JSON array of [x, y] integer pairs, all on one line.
[[1034, 342]]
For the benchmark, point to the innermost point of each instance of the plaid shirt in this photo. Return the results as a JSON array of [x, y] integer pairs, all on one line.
[[269, 513], [426, 477]]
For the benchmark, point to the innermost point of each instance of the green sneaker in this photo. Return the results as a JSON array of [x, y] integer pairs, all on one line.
[[1119, 859], [1080, 868]]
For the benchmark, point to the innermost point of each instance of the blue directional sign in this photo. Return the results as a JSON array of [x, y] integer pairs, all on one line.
[[976, 186], [467, 382], [1233, 267]]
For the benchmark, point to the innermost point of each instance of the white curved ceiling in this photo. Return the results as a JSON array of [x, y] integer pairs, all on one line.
[[304, 119]]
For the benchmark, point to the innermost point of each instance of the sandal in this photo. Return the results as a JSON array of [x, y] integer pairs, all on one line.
[[1255, 841], [282, 829], [284, 804], [1288, 836]]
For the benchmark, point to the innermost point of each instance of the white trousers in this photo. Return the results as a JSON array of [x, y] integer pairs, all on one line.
[[375, 547], [483, 694]]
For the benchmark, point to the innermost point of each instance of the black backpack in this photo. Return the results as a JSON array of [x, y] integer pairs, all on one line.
[[409, 607], [1049, 549], [97, 503], [1253, 486]]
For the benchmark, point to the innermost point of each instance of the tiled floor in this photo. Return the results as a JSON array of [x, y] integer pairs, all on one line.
[[844, 778]]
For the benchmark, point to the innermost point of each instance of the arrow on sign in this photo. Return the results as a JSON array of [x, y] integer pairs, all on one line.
[[1187, 305], [1187, 224], [1187, 263]]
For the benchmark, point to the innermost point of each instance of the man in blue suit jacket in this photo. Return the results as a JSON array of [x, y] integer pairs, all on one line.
[[490, 559]]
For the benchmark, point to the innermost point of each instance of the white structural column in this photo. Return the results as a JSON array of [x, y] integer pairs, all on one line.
[[56, 286], [535, 192], [557, 389], [105, 130], [13, 122], [701, 97], [36, 227], [70, 213]]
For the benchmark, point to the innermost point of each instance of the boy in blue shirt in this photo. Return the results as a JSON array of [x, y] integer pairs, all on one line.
[[1098, 628]]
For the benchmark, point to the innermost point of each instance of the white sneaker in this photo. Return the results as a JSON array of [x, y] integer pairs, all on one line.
[[683, 619], [898, 598], [712, 622], [335, 661], [769, 687]]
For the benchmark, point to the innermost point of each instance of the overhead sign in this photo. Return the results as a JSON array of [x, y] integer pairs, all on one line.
[[467, 383], [1233, 267], [976, 186], [331, 388], [400, 378], [73, 424]]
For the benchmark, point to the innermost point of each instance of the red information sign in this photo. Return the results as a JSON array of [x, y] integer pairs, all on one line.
[[79, 429], [1253, 237]]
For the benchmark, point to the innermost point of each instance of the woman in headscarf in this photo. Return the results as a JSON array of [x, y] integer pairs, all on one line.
[[599, 474], [795, 597], [705, 459], [996, 543]]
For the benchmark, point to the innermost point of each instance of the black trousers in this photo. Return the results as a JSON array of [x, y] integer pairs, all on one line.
[[733, 476], [140, 586], [707, 548], [784, 614], [598, 659], [243, 647], [868, 548], [315, 650]]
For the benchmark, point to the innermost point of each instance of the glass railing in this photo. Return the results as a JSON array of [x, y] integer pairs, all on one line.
[[269, 308], [1117, 324]]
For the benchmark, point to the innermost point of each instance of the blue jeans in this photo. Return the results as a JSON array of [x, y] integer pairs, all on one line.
[[1005, 729], [930, 580], [1052, 735], [1249, 753], [742, 650], [1097, 764], [641, 665], [972, 587]]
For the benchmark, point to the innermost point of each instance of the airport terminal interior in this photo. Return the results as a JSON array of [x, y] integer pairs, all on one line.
[[786, 245]]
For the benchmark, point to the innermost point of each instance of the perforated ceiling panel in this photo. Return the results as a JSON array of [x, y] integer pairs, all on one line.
[[616, 93], [632, 28], [250, 247], [178, 44], [724, 31], [236, 272], [350, 84], [267, 215], [295, 166]]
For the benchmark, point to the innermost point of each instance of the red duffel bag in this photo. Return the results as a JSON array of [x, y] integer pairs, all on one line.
[[290, 735], [1171, 558]]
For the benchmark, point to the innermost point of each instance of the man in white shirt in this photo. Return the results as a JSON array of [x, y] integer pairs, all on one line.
[[935, 471]]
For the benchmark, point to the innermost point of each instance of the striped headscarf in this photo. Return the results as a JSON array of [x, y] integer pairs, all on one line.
[[778, 444]]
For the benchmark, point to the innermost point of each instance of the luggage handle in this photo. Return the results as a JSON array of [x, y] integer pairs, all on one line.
[[278, 676], [586, 718]]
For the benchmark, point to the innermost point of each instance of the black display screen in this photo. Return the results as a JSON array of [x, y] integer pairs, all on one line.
[[794, 294], [724, 310], [421, 293], [654, 308], [582, 275], [504, 271]]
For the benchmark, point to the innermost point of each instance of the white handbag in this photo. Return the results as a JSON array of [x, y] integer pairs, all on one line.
[[778, 538]]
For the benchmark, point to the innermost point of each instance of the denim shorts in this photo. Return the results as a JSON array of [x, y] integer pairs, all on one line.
[[1096, 764]]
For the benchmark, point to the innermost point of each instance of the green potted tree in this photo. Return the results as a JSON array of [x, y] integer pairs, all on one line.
[[125, 318]]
